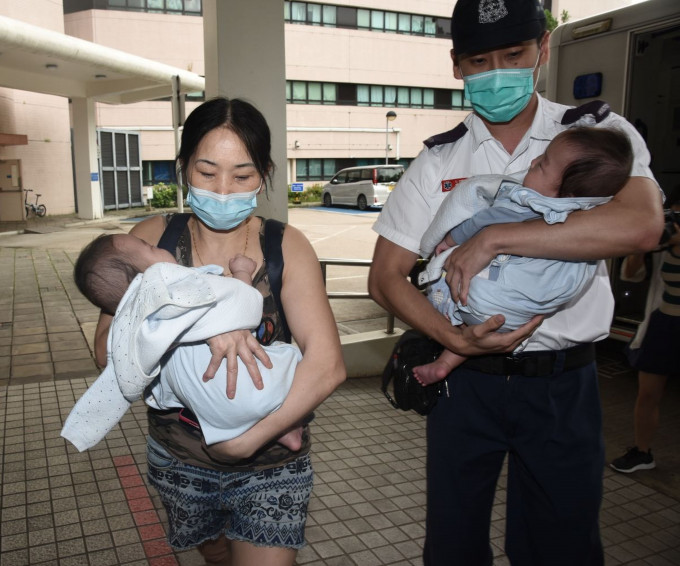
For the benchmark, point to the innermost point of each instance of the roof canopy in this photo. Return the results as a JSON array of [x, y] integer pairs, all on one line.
[[40, 60]]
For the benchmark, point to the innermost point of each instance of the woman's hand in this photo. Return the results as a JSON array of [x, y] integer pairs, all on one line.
[[241, 344]]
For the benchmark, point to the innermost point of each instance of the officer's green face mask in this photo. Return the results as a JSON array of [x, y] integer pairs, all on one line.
[[501, 94]]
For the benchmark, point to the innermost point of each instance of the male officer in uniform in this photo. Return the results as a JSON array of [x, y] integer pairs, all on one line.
[[540, 406]]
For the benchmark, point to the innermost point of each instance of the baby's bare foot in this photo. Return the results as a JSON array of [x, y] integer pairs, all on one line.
[[431, 373], [292, 440]]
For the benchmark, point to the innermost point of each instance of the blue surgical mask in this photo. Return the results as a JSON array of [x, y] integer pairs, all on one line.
[[222, 212], [501, 94]]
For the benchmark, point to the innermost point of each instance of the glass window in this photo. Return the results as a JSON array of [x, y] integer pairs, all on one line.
[[428, 98], [139, 4], [404, 23], [362, 95], [376, 95], [286, 11], [117, 3], [154, 5], [192, 6], [417, 24], [416, 98], [314, 14], [314, 93], [288, 91], [174, 5], [314, 169], [328, 168], [403, 96], [301, 169], [377, 20], [299, 92], [329, 96], [298, 12], [329, 15], [390, 96], [363, 19], [430, 26], [346, 17], [457, 98], [391, 21], [353, 176]]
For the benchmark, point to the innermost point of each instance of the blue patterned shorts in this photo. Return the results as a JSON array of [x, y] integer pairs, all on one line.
[[264, 507]]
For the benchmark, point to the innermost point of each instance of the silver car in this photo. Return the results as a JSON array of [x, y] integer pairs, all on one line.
[[362, 186]]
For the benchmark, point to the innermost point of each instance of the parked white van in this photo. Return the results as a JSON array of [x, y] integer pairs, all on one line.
[[362, 186]]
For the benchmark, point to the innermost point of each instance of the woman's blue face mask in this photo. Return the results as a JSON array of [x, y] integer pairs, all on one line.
[[501, 94], [222, 212]]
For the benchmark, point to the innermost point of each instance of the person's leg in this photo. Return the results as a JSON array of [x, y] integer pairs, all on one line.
[[650, 391], [555, 470], [465, 452], [246, 554], [436, 371], [216, 552]]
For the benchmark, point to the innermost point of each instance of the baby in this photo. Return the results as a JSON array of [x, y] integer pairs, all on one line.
[[581, 168], [181, 305]]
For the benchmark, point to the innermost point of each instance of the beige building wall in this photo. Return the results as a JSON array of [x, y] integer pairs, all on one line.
[[579, 9], [46, 165]]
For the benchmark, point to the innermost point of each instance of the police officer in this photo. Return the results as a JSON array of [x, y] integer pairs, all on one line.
[[541, 407]]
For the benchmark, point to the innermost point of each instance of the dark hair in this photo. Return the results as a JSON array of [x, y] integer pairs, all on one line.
[[604, 165], [242, 118], [102, 274]]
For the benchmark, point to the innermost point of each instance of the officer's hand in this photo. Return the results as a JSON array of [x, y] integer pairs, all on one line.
[[484, 339], [466, 261]]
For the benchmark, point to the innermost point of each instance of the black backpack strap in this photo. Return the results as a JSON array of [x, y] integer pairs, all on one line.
[[173, 231], [273, 256]]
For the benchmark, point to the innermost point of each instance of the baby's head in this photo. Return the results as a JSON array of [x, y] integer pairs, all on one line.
[[582, 162], [107, 265]]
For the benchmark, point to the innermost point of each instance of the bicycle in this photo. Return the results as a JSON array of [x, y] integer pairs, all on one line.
[[39, 210]]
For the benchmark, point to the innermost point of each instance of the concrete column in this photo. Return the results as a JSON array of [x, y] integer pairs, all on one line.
[[245, 58], [88, 188]]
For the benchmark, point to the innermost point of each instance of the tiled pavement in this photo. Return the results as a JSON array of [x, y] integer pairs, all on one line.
[[62, 507]]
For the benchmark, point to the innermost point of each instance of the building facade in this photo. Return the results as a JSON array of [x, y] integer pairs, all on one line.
[[348, 64]]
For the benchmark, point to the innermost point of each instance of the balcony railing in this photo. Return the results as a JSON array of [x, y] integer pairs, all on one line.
[[325, 262]]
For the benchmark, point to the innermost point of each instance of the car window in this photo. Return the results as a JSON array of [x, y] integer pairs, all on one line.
[[389, 175], [339, 179], [367, 174], [353, 176]]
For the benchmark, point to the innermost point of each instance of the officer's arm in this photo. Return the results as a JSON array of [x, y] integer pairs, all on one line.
[[630, 223], [390, 288]]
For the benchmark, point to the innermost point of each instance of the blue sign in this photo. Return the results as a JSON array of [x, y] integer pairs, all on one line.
[[297, 187], [94, 177]]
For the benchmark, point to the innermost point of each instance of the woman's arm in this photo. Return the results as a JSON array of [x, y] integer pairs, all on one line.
[[313, 327], [630, 223]]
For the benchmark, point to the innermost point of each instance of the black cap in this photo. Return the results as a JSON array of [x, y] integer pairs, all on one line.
[[483, 25]]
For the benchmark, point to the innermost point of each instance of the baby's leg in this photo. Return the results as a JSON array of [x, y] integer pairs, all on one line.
[[292, 439], [438, 370]]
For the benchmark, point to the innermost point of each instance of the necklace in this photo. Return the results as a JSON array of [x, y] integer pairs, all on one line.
[[195, 240]]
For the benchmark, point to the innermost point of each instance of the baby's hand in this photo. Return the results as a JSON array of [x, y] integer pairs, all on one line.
[[445, 244], [240, 263]]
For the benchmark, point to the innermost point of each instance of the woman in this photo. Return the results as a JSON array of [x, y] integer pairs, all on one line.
[[251, 509]]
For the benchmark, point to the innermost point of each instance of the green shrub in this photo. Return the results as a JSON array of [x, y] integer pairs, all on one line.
[[165, 196], [310, 194]]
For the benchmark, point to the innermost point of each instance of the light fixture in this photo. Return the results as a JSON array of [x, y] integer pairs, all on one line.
[[591, 29], [51, 66], [100, 76], [296, 145], [391, 115]]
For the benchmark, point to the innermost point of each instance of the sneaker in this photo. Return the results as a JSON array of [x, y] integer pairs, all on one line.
[[634, 460]]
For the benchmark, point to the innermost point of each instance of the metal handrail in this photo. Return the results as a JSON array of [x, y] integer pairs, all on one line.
[[351, 295]]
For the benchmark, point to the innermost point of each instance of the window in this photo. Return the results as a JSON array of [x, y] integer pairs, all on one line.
[[185, 7], [459, 101], [310, 13], [313, 14], [154, 172], [314, 169], [303, 92]]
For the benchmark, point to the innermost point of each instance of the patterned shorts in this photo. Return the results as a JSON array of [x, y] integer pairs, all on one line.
[[265, 507]]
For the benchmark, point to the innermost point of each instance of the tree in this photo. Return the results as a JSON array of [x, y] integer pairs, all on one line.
[[552, 20]]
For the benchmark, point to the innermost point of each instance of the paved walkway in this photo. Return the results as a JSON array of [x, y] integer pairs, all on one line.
[[65, 508]]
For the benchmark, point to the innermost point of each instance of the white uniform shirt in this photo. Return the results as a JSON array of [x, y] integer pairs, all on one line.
[[419, 193]]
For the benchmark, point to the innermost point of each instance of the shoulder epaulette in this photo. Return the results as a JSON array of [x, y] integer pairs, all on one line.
[[447, 137], [598, 109]]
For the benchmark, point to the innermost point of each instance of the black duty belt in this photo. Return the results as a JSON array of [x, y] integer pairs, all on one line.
[[533, 364]]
